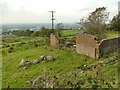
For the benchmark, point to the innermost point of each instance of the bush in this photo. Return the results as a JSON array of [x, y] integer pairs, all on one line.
[[115, 23], [10, 50], [27, 32], [35, 34], [45, 32]]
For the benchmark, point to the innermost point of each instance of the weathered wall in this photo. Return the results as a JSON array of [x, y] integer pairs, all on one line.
[[54, 41], [87, 45], [109, 45]]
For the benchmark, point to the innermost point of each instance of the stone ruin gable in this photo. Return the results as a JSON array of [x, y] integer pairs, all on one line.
[[108, 45], [88, 45], [54, 41]]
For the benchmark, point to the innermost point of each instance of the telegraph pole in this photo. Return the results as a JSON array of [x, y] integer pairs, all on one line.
[[52, 19]]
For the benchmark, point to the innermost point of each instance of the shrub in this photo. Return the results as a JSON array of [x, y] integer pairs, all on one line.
[[10, 50]]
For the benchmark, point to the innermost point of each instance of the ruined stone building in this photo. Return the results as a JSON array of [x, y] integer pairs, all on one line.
[[88, 45], [109, 45], [54, 41]]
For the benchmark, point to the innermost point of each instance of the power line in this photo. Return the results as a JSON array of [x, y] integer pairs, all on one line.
[[52, 19]]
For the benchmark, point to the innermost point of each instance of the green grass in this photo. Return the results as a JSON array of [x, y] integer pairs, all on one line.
[[62, 64], [72, 33], [111, 34], [69, 33], [66, 61]]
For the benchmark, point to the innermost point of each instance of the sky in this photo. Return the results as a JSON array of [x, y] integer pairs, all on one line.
[[37, 11]]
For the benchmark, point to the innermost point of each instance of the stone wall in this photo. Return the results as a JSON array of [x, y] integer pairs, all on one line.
[[88, 45], [109, 45], [54, 41]]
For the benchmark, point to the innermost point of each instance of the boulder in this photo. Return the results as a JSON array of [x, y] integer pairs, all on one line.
[[24, 68], [42, 57], [27, 63], [24, 62], [50, 58], [36, 61], [69, 44], [29, 83], [74, 45], [37, 81]]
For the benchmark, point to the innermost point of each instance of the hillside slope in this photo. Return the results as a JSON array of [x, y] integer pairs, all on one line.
[[70, 69]]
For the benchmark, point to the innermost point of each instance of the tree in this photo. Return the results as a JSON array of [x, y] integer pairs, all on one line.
[[59, 27], [95, 23], [45, 32], [115, 23], [18, 32], [22, 32], [28, 32], [35, 34]]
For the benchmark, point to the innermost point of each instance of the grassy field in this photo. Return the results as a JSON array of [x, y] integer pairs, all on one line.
[[70, 33], [112, 34], [73, 33], [71, 68]]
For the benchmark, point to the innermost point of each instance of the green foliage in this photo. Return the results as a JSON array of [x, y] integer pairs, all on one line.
[[35, 34], [115, 23], [70, 33], [112, 33], [69, 70], [95, 23], [45, 32], [22, 32], [10, 49], [59, 27]]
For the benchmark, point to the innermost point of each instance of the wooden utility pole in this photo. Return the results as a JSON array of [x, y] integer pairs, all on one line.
[[52, 19]]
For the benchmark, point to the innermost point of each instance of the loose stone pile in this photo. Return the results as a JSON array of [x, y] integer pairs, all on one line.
[[24, 63]]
